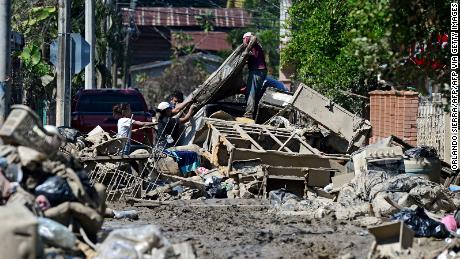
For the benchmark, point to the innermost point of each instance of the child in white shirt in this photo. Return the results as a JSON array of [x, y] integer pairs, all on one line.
[[123, 112]]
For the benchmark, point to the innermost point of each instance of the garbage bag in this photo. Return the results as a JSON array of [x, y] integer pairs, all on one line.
[[55, 234], [421, 224], [56, 190], [131, 242], [69, 134], [422, 151], [86, 183], [281, 197], [214, 188]]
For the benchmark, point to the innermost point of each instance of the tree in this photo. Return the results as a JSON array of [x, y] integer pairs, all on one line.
[[185, 74], [353, 45], [37, 21]]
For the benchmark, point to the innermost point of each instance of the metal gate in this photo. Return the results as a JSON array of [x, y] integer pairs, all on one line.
[[433, 125]]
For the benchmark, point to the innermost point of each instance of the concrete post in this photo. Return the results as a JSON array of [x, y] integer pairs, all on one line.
[[90, 37], [63, 68], [5, 59]]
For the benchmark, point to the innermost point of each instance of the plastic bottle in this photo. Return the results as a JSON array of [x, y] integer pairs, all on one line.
[[55, 234], [125, 214]]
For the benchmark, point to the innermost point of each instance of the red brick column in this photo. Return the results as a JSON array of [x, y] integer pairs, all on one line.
[[394, 113]]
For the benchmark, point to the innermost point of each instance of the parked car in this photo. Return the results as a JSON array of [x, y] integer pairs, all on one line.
[[93, 107]]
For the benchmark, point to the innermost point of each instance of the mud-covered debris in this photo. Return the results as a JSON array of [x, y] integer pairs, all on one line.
[[141, 242], [421, 224]]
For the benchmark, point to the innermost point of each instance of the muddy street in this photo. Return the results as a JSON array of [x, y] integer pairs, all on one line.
[[248, 229]]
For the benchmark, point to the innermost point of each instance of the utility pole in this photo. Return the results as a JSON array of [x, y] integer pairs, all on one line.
[[5, 59], [131, 27], [90, 37], [285, 72], [63, 68]]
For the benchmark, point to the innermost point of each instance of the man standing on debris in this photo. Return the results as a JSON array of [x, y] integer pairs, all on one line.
[[168, 125], [123, 112], [257, 73]]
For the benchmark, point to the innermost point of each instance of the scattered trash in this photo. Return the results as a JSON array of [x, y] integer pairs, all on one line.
[[391, 238], [283, 199], [55, 234], [422, 151], [134, 242], [214, 188], [56, 190], [450, 223], [125, 214], [421, 224]]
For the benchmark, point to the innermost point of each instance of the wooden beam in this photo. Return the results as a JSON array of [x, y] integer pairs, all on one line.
[[289, 139], [246, 136], [277, 140]]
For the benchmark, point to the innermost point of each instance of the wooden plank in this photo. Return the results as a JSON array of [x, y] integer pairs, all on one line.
[[289, 139], [277, 140], [246, 136]]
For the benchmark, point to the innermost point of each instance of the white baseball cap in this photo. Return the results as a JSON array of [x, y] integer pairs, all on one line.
[[163, 106], [247, 34]]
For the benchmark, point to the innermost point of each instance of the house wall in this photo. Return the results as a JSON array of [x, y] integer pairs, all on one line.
[[151, 45], [394, 113]]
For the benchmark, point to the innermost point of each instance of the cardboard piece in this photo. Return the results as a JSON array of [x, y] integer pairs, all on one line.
[[342, 179], [392, 237]]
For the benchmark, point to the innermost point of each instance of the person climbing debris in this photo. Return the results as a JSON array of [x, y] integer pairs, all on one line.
[[257, 73]]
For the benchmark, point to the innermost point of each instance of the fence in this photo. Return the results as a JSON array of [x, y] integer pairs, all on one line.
[[433, 126]]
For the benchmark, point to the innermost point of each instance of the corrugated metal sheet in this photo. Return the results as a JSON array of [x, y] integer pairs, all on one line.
[[186, 16]]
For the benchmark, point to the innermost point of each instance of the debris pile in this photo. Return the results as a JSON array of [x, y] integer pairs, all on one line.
[[304, 153], [49, 205]]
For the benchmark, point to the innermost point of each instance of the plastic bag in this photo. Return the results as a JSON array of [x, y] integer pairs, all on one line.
[[56, 190], [55, 234], [422, 151], [131, 242], [281, 198], [214, 188], [421, 224], [69, 134], [85, 181]]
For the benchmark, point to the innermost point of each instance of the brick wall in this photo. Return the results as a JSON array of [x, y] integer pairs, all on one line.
[[394, 113]]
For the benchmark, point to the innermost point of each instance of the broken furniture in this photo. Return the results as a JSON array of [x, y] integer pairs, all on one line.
[[350, 131], [388, 159], [296, 180], [113, 171], [272, 103], [391, 238], [228, 141]]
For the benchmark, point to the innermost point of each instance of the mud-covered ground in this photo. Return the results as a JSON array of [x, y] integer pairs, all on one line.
[[248, 229]]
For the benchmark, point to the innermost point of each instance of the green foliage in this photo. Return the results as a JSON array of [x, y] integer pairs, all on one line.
[[206, 21], [341, 46], [185, 74], [31, 56], [37, 21], [183, 44]]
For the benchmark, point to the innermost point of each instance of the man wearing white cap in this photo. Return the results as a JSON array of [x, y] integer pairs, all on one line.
[[257, 73], [168, 125]]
